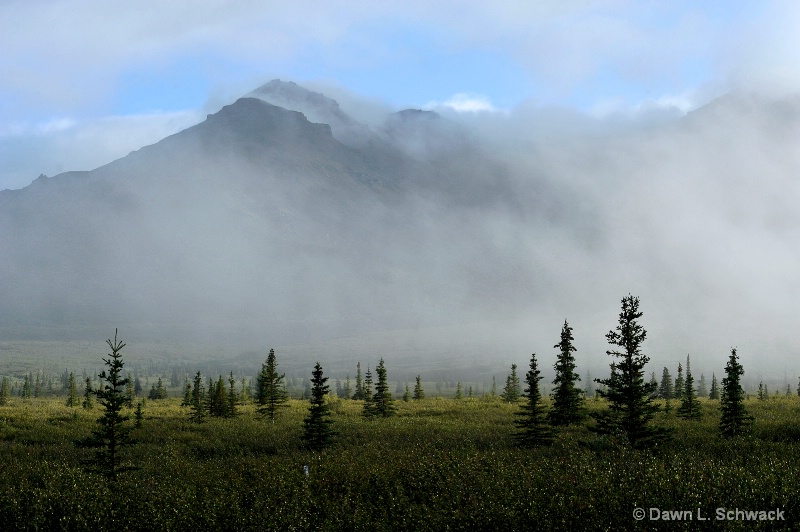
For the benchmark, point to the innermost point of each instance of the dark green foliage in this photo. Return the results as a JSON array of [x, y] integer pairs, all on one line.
[[37, 386], [458, 395], [407, 394], [368, 410], [511, 391], [26, 388], [419, 393], [631, 409], [187, 392], [5, 391], [714, 393], [232, 399], [113, 433], [158, 391], [271, 391], [317, 426], [761, 394], [735, 420], [665, 389], [679, 384], [88, 395], [359, 394], [197, 403], [217, 402], [382, 402], [531, 420], [567, 407], [137, 386], [690, 406], [138, 416], [72, 395]]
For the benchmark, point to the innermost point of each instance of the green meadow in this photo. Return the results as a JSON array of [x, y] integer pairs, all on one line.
[[439, 464]]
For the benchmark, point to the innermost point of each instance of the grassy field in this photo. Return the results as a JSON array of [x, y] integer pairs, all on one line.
[[440, 464]]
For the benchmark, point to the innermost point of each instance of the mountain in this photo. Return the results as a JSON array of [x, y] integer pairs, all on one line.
[[256, 221], [281, 219]]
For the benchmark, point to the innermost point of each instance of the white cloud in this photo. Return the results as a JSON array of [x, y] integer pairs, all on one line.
[[466, 103]]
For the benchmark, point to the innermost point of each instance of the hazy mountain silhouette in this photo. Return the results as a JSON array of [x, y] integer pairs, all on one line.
[[254, 220]]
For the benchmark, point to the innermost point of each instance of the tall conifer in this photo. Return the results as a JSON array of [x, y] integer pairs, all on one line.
[[735, 420], [271, 393], [317, 430], [567, 406], [531, 420], [631, 408]]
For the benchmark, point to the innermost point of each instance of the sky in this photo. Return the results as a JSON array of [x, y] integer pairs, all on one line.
[[83, 82]]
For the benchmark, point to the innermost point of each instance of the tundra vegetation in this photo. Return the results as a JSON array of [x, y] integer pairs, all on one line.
[[433, 463]]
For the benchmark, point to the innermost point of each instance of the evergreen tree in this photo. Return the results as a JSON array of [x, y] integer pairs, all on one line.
[[26, 387], [679, 384], [788, 390], [317, 430], [366, 392], [469, 393], [246, 394], [113, 433], [702, 390], [458, 391], [419, 393], [347, 390], [407, 394], [232, 400], [37, 386], [567, 407], [271, 394], [714, 393], [798, 387], [690, 406], [187, 392], [137, 386], [359, 394], [654, 385], [735, 420], [5, 392], [138, 416], [631, 410], [197, 402], [383, 404], [72, 396], [531, 420], [511, 391], [88, 395], [665, 389], [158, 391], [761, 394]]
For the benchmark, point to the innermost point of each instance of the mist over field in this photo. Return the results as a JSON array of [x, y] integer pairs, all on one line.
[[477, 233]]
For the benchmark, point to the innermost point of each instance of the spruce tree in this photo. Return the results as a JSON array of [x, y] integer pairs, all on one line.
[[735, 420], [347, 389], [511, 390], [72, 395], [113, 433], [366, 392], [197, 402], [232, 399], [26, 387], [531, 420], [761, 394], [631, 409], [382, 402], [359, 393], [665, 389], [702, 390], [690, 406], [567, 406], [654, 385], [271, 393], [317, 430], [679, 384], [458, 396], [5, 392], [407, 394], [714, 393], [419, 393], [88, 394]]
